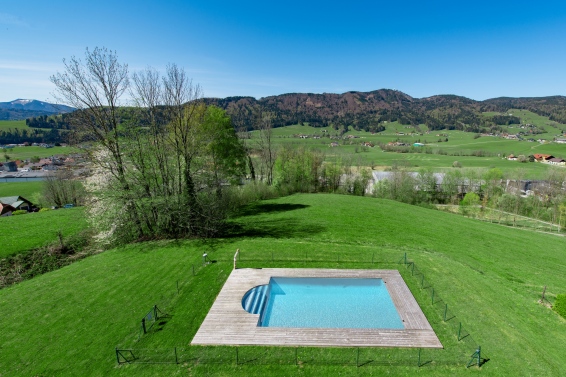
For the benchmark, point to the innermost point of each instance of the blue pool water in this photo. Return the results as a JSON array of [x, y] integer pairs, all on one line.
[[328, 303]]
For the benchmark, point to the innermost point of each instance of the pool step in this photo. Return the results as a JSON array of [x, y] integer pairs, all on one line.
[[254, 299]]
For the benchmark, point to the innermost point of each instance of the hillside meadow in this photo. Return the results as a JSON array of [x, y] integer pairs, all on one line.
[[68, 322], [33, 230]]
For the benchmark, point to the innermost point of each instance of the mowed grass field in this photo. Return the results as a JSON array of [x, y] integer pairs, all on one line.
[[68, 322], [25, 232]]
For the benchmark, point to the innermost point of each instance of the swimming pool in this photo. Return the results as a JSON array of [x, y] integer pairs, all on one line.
[[229, 323], [328, 303]]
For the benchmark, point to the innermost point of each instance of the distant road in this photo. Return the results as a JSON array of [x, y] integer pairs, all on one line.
[[22, 176]]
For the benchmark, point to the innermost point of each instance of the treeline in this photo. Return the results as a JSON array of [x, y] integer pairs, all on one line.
[[369, 111], [22, 135], [475, 190], [57, 122], [63, 121]]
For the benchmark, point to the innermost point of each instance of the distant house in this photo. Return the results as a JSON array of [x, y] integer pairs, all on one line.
[[557, 161], [561, 141], [542, 157], [334, 144], [9, 166], [50, 167], [512, 157], [17, 203], [6, 209], [418, 145]]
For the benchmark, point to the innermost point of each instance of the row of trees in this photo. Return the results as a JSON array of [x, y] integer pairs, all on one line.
[[475, 188], [22, 135]]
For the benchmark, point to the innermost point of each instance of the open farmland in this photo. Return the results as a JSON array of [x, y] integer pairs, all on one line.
[[437, 153]]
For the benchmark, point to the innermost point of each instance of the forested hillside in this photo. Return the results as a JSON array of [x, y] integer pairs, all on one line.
[[370, 110]]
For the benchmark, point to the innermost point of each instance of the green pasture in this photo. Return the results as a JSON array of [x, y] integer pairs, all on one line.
[[13, 124], [459, 147], [29, 190], [25, 153], [28, 231], [68, 322]]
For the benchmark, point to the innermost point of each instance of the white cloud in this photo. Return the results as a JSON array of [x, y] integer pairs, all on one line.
[[11, 20], [30, 66]]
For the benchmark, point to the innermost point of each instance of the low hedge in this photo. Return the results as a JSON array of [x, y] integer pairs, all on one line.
[[560, 305]]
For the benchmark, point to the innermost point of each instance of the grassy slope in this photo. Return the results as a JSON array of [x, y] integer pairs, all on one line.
[[68, 322], [26, 232]]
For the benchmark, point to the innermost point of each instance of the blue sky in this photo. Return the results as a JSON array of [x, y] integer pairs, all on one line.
[[477, 49]]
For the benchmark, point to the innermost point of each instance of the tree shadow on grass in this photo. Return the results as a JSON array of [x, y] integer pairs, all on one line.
[[279, 228], [257, 209]]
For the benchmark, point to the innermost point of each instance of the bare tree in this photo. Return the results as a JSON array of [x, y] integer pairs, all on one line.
[[267, 151], [61, 187], [94, 87]]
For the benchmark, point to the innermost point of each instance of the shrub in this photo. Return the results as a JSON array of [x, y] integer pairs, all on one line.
[[560, 305], [19, 212], [45, 209], [456, 164]]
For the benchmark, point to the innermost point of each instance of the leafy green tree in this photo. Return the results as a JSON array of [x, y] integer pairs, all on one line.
[[470, 204]]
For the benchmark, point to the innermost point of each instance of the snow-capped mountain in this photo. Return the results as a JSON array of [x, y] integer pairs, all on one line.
[[25, 108], [35, 105]]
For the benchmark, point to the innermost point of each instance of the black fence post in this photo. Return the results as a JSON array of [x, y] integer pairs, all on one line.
[[358, 358], [296, 356], [432, 296], [237, 360], [176, 359], [117, 356], [419, 361], [143, 325]]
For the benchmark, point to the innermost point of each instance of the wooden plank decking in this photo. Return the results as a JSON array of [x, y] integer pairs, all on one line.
[[227, 323]]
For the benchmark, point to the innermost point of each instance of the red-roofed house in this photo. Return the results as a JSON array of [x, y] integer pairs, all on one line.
[[539, 157]]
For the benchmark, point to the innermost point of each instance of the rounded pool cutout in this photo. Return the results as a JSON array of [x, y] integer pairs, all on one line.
[[254, 299]]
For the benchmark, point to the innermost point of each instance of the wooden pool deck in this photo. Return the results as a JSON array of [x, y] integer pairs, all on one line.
[[227, 323]]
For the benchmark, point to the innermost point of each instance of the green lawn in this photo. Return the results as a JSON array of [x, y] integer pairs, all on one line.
[[68, 322], [28, 231]]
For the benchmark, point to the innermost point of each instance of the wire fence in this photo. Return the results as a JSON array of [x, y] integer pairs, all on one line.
[[269, 355], [460, 348]]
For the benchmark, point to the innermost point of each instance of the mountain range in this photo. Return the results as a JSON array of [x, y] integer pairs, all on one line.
[[369, 110], [25, 108], [359, 110]]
